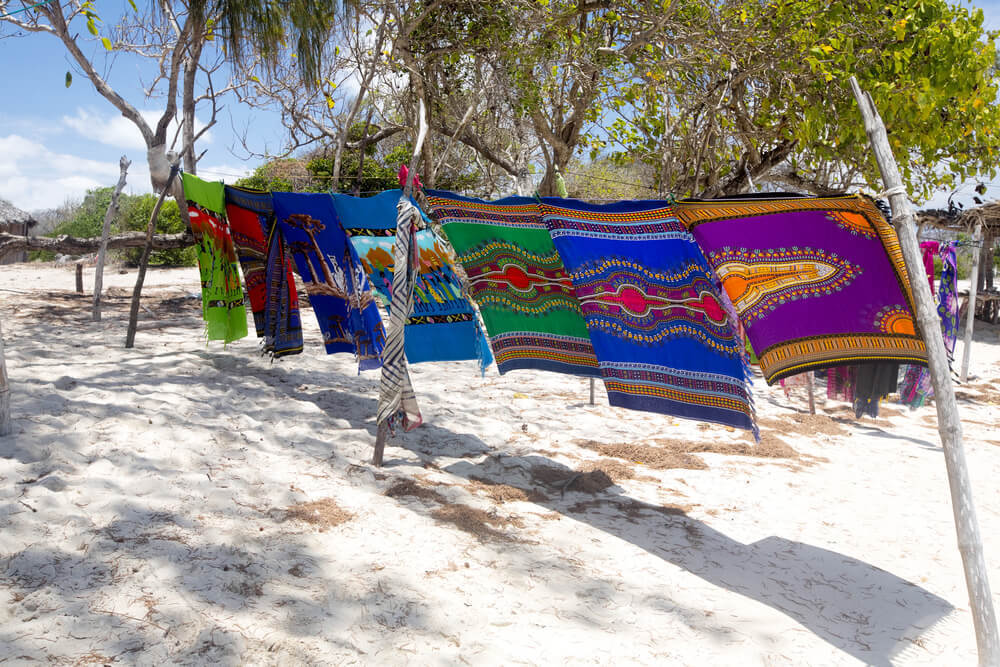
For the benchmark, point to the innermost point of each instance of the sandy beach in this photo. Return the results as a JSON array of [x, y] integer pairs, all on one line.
[[185, 502]]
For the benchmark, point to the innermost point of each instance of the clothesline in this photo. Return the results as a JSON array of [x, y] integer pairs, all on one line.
[[581, 288]]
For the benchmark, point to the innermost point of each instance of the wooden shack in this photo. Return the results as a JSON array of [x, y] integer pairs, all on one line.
[[15, 221]]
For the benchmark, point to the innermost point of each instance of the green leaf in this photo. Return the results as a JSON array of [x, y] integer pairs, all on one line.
[[69, 79], [106, 42]]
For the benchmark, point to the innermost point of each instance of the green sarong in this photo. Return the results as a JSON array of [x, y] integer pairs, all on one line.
[[222, 298]]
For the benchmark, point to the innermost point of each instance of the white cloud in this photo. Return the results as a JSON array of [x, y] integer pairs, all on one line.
[[118, 131], [34, 177], [229, 173]]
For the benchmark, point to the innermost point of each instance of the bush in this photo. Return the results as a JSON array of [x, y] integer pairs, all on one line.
[[135, 212], [87, 222]]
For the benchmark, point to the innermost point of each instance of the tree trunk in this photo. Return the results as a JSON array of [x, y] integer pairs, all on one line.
[[105, 232], [133, 317], [5, 423], [970, 544], [70, 245]]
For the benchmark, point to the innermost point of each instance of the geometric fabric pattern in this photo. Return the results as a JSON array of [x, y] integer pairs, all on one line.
[[443, 325], [222, 297], [334, 278], [519, 283], [660, 332], [817, 282]]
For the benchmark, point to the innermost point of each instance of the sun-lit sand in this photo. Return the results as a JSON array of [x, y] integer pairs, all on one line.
[[184, 502]]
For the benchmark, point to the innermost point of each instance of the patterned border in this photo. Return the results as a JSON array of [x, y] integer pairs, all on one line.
[[837, 350], [694, 213]]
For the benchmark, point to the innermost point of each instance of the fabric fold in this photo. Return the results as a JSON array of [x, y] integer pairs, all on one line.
[[517, 279], [267, 270], [222, 297], [661, 334], [443, 325], [333, 276], [397, 400], [817, 282]]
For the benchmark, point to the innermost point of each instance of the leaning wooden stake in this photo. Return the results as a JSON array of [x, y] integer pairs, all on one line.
[[950, 428], [133, 316], [5, 425], [970, 313], [109, 215], [383, 428]]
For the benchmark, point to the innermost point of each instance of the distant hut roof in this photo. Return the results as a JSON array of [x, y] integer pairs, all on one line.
[[12, 214], [957, 220], [988, 214]]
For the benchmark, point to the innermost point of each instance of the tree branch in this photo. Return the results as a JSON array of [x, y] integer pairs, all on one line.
[[70, 245]]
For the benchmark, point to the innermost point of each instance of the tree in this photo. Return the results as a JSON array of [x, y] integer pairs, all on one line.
[[757, 93], [86, 220], [179, 37]]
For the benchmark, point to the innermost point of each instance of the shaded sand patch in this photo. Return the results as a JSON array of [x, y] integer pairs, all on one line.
[[631, 509], [412, 488], [563, 480], [483, 525], [500, 492], [806, 424], [477, 522], [657, 458], [324, 513]]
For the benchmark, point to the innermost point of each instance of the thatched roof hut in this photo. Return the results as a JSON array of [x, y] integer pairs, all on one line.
[[15, 221], [965, 222]]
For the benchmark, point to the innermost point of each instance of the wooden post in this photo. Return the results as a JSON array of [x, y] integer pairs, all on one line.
[[5, 423], [970, 544], [970, 312], [812, 398], [109, 215], [79, 276], [383, 428], [133, 316], [591, 391]]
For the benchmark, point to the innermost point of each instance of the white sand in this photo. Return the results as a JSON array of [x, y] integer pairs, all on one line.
[[145, 495]]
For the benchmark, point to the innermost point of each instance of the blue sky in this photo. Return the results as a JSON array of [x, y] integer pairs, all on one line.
[[56, 142]]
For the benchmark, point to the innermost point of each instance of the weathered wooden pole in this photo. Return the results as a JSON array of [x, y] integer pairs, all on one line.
[[970, 313], [591, 391], [970, 544], [812, 398], [5, 423], [105, 233], [133, 315], [383, 428], [79, 276]]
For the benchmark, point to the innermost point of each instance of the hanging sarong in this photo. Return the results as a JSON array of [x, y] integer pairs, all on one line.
[[817, 282], [266, 269], [222, 298], [662, 337], [916, 388], [840, 381], [518, 280], [334, 278], [948, 298], [874, 382], [396, 399], [443, 325], [927, 251]]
